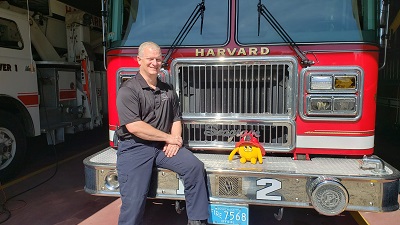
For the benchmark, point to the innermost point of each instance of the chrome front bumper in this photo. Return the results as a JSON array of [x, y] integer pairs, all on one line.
[[330, 185]]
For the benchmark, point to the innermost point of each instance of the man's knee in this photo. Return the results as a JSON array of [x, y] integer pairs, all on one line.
[[197, 165], [197, 169]]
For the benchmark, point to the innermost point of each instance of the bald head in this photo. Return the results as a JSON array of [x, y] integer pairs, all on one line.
[[148, 45], [150, 60]]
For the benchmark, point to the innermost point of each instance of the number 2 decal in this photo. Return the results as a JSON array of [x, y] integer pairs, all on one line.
[[271, 186]]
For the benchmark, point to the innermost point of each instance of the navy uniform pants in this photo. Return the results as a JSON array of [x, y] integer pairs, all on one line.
[[135, 163]]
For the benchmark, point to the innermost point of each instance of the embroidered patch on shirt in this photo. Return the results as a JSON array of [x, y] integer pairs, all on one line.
[[164, 97]]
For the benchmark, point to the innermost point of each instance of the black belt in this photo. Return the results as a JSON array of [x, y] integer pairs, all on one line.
[[139, 140]]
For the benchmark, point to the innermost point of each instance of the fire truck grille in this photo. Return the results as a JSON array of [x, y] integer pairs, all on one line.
[[234, 88], [206, 136], [222, 99]]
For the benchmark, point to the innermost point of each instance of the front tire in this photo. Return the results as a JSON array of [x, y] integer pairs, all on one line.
[[12, 145]]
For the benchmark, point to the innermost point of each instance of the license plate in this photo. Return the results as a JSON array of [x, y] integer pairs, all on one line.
[[229, 214]]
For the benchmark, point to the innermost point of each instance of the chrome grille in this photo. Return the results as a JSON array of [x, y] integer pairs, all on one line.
[[235, 95], [273, 136]]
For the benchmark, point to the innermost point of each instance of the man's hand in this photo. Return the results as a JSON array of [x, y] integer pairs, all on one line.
[[172, 145], [174, 140], [171, 149]]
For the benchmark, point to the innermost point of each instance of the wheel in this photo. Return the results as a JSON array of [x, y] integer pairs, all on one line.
[[12, 145]]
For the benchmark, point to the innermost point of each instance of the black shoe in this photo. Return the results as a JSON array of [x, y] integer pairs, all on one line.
[[197, 222]]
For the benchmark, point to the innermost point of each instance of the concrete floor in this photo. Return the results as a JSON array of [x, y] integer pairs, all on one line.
[[52, 193]]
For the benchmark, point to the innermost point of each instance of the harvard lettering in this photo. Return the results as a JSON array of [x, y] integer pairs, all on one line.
[[232, 52]]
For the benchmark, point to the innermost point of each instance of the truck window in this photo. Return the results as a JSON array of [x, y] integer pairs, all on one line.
[[135, 21], [309, 21], [9, 35]]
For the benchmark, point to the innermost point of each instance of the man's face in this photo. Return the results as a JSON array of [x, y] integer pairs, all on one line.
[[150, 62]]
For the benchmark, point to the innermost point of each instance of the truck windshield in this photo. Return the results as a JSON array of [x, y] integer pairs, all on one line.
[[132, 22], [309, 21]]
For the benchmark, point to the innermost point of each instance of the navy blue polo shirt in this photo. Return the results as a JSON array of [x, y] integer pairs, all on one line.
[[136, 101]]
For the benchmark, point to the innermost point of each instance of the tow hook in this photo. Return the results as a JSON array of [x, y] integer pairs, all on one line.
[[279, 215], [377, 165]]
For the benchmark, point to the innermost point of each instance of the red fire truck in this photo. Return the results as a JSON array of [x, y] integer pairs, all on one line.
[[301, 76]]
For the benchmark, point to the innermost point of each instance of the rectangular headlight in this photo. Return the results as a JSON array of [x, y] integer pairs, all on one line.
[[321, 82], [345, 105], [345, 82], [331, 93], [335, 105], [318, 105]]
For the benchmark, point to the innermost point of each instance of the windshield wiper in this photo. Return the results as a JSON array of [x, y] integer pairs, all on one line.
[[263, 11], [197, 12]]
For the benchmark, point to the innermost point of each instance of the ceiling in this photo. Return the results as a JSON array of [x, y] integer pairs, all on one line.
[[90, 6]]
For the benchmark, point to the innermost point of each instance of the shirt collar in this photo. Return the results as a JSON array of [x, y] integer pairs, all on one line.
[[143, 84]]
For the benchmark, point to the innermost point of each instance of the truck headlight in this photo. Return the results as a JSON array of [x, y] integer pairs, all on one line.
[[111, 180], [345, 105], [345, 82], [328, 93], [332, 82], [320, 104], [335, 105], [321, 83]]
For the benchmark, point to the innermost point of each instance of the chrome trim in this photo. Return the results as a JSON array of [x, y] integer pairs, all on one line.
[[332, 90], [332, 111], [328, 195], [231, 118], [368, 190], [377, 164], [130, 72], [305, 91], [252, 91], [335, 142], [273, 135]]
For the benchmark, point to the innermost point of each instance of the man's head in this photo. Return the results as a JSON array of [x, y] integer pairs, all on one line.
[[149, 59]]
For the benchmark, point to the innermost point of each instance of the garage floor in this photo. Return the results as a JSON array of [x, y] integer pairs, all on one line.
[[48, 192], [61, 199]]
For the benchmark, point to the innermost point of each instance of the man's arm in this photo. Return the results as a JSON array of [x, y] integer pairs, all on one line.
[[145, 131], [173, 141], [176, 129], [171, 149]]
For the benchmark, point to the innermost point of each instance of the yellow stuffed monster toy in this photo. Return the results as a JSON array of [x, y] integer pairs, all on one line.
[[249, 149]]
